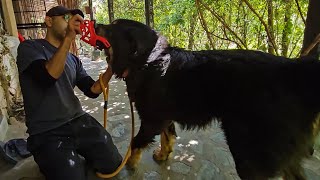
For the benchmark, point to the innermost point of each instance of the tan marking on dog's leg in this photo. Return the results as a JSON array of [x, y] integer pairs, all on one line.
[[167, 143], [135, 158]]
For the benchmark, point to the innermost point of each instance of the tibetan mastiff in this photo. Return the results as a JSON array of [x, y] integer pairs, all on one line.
[[268, 105]]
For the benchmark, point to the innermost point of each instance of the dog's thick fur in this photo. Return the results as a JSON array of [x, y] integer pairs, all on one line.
[[268, 105]]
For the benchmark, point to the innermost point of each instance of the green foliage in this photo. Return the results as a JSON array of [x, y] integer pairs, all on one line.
[[228, 23]]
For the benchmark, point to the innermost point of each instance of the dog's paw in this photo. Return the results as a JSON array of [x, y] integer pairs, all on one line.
[[131, 163], [134, 159], [158, 155]]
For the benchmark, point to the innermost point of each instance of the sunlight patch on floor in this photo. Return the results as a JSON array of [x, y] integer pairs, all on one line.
[[185, 156]]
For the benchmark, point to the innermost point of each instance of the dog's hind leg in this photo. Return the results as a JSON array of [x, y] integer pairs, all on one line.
[[168, 139]]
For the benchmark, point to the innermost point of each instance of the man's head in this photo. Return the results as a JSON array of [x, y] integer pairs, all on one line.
[[57, 18]]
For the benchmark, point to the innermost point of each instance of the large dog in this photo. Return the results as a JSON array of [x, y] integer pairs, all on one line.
[[268, 105]]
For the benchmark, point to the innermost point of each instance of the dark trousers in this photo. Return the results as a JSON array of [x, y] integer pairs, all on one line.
[[57, 151]]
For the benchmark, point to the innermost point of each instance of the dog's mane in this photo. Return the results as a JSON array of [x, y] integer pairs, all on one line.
[[166, 57], [158, 56]]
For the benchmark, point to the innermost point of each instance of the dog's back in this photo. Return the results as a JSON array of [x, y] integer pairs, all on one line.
[[267, 104]]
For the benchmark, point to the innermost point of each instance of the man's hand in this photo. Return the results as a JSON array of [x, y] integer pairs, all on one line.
[[96, 87], [74, 26]]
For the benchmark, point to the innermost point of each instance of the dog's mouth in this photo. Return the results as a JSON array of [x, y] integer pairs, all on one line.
[[125, 73], [119, 72], [108, 56], [122, 74]]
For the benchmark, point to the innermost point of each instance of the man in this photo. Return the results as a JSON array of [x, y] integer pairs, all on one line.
[[59, 130]]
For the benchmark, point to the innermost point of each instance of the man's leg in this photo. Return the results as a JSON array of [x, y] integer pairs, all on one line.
[[96, 146], [57, 158]]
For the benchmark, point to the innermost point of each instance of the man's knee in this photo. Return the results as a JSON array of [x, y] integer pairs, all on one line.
[[109, 166]]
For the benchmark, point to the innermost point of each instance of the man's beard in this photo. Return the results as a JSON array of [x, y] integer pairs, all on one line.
[[59, 35]]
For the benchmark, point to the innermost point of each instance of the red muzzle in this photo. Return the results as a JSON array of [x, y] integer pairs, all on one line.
[[89, 36]]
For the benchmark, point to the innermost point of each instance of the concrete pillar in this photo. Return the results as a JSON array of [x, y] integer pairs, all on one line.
[[9, 18], [3, 127], [3, 114]]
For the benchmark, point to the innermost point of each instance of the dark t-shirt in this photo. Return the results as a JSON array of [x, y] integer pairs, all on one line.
[[49, 106]]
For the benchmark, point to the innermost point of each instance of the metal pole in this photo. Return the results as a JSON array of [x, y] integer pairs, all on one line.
[[91, 11], [110, 10]]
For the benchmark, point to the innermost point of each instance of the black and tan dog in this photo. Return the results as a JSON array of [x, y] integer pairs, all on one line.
[[268, 105]]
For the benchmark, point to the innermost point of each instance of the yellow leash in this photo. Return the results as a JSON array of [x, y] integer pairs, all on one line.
[[105, 91]]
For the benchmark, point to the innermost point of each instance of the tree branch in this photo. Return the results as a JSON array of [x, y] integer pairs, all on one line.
[[311, 46], [223, 23], [204, 24], [265, 26], [299, 9], [227, 38], [295, 45]]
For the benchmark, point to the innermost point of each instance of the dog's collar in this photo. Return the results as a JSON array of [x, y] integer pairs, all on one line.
[[158, 55]]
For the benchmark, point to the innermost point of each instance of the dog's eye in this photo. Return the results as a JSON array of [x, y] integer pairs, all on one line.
[[144, 66]]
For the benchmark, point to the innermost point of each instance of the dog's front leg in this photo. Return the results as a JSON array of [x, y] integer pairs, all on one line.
[[135, 157], [168, 139], [144, 137]]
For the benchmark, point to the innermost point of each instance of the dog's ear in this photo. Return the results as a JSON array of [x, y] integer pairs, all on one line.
[[122, 51], [121, 45], [141, 37], [131, 43]]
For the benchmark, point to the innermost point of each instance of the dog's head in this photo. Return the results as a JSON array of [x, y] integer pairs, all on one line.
[[131, 43]]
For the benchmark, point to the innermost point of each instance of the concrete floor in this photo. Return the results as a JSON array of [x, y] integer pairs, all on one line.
[[198, 154]]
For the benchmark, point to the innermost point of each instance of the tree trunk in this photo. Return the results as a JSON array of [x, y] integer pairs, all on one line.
[[245, 24], [149, 13], [287, 30], [312, 28], [204, 25], [270, 26], [110, 10], [193, 22], [311, 32]]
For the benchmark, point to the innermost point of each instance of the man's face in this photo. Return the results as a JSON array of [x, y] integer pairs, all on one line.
[[59, 25]]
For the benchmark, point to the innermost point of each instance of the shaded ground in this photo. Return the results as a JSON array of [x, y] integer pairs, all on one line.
[[198, 154]]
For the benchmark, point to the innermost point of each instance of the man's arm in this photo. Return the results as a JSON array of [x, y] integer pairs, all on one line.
[[39, 73], [31, 60], [55, 65], [90, 87]]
